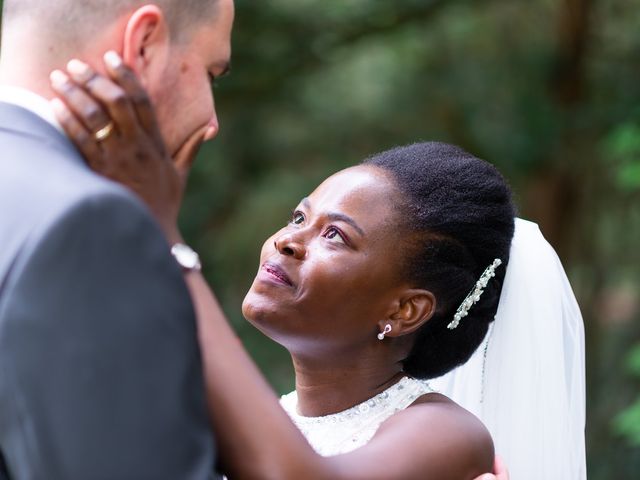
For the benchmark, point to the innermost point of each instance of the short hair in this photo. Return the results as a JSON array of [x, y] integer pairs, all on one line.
[[76, 20], [459, 213]]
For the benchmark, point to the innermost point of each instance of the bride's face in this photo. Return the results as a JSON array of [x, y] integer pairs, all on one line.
[[330, 276]]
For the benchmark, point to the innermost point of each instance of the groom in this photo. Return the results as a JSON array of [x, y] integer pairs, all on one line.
[[100, 374]]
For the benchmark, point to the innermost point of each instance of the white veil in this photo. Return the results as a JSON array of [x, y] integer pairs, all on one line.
[[526, 381]]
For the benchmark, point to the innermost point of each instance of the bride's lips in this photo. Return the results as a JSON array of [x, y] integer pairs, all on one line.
[[275, 273]]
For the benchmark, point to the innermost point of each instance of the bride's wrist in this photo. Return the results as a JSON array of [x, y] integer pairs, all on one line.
[[172, 233]]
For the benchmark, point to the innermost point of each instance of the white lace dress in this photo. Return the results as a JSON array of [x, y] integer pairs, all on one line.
[[345, 431]]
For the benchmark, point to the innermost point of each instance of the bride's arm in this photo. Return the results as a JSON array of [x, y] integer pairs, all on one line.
[[256, 438]]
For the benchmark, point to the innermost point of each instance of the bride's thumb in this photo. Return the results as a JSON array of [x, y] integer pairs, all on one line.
[[186, 154]]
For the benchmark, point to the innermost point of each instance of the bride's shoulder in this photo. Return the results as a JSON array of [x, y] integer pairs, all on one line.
[[437, 426]]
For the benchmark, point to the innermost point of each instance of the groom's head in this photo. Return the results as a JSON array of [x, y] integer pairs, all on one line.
[[175, 46]]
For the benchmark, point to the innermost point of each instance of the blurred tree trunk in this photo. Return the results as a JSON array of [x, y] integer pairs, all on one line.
[[556, 191], [564, 196]]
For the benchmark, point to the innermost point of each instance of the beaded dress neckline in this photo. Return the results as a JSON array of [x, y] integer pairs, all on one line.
[[345, 431]]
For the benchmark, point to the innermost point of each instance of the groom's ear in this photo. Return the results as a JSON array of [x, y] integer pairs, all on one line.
[[412, 310], [146, 43]]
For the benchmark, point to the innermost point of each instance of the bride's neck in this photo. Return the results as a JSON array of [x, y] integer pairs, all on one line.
[[325, 387]]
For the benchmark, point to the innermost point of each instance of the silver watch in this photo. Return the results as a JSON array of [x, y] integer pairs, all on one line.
[[186, 257]]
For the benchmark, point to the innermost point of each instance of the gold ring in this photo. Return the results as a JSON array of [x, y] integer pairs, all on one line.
[[104, 133]]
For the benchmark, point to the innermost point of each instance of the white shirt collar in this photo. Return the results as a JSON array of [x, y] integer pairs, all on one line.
[[30, 101]]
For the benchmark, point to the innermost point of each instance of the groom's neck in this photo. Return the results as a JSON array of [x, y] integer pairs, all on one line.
[[27, 59]]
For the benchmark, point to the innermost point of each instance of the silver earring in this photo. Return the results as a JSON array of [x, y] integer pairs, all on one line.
[[387, 329]]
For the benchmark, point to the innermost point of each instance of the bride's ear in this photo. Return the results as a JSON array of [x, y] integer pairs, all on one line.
[[146, 43], [413, 309]]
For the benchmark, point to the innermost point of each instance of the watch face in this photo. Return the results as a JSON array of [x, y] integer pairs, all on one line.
[[186, 257]]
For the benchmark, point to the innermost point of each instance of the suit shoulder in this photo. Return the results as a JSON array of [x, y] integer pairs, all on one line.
[[42, 190], [39, 180]]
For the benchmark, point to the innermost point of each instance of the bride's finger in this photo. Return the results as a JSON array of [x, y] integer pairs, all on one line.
[[110, 95], [500, 469], [86, 109], [126, 78], [78, 134]]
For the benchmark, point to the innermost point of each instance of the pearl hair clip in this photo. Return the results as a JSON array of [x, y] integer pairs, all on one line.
[[474, 294]]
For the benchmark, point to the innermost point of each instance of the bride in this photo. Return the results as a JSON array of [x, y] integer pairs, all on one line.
[[389, 274]]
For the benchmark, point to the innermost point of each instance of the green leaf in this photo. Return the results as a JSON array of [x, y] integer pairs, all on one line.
[[624, 142], [627, 424], [628, 176], [633, 360]]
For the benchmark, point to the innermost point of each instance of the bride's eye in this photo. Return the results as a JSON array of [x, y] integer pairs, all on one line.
[[297, 218], [336, 235]]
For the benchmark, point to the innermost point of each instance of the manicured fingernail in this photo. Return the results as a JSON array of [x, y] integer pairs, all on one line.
[[112, 59], [76, 67], [58, 78]]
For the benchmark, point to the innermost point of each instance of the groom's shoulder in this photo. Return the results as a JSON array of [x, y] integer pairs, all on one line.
[[39, 195], [52, 189], [48, 175]]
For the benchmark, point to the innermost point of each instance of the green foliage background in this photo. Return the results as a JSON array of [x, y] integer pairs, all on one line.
[[547, 90]]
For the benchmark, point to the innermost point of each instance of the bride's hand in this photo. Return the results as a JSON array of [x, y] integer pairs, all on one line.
[[113, 124], [499, 469]]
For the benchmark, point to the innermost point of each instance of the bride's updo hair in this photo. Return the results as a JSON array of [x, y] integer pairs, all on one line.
[[457, 214]]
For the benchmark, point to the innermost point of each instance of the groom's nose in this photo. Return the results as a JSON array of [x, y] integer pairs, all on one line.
[[213, 129]]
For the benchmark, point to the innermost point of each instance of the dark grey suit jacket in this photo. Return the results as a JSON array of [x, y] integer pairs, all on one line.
[[100, 373]]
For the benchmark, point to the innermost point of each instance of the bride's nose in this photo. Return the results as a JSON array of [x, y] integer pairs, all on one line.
[[288, 244]]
